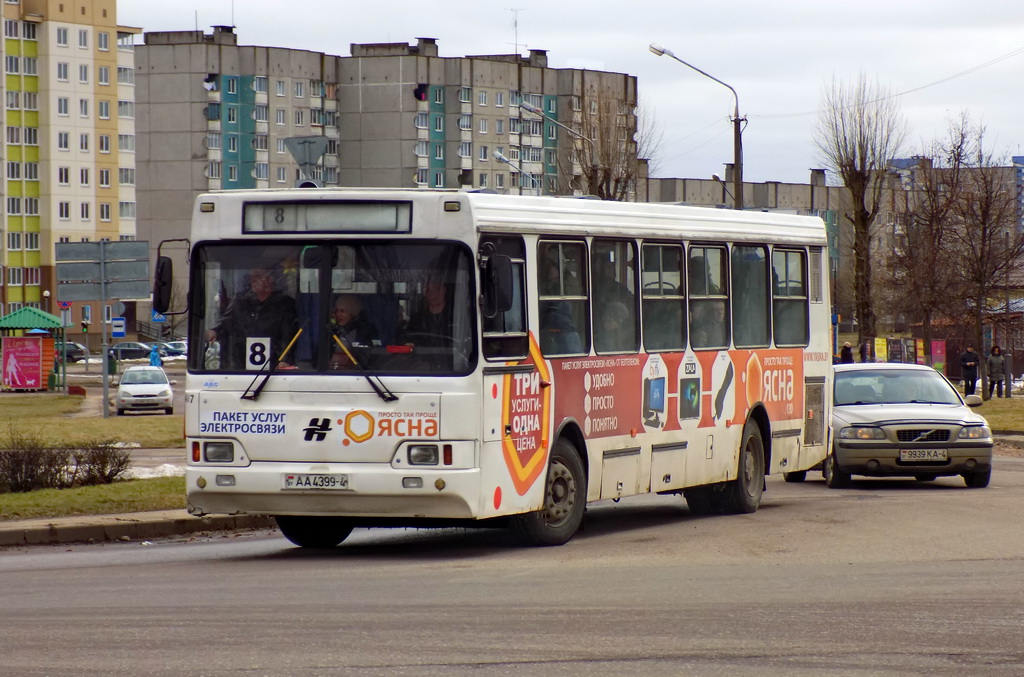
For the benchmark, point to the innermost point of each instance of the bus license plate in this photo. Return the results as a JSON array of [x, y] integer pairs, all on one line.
[[923, 455], [316, 481]]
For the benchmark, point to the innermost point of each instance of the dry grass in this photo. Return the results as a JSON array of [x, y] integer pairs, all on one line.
[[162, 493]]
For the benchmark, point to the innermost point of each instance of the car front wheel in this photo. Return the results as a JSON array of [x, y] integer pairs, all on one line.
[[834, 477], [977, 480]]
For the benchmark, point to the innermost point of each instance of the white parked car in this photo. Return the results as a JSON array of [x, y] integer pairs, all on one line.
[[142, 389]]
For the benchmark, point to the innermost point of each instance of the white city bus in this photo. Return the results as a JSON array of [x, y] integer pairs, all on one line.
[[494, 359]]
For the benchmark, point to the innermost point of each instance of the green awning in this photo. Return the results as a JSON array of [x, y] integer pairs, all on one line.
[[30, 318]]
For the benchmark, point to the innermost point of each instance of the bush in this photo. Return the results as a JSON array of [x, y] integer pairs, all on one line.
[[27, 463]]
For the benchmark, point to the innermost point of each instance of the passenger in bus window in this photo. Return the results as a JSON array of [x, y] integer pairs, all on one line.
[[430, 325], [353, 329], [558, 334], [261, 311], [614, 329], [709, 328]]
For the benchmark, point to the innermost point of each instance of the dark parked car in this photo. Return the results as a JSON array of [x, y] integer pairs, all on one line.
[[168, 350], [131, 350], [74, 352]]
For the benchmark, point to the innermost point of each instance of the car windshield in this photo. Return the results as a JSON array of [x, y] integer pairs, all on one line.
[[136, 377], [892, 386]]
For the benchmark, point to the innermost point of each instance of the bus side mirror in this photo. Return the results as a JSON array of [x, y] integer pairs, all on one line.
[[162, 284], [497, 281]]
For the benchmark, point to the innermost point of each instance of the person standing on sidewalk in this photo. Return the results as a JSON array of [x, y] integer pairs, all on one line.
[[969, 362], [996, 364]]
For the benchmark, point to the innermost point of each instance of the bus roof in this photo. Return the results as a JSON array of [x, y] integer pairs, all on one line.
[[548, 215]]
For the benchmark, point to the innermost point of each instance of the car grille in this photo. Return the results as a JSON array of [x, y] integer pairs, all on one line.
[[924, 435]]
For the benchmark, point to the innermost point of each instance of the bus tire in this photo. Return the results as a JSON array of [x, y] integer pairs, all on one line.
[[565, 499], [314, 532], [743, 494], [700, 500]]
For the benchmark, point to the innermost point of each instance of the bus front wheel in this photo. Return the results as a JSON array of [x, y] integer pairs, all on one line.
[[314, 532], [565, 498]]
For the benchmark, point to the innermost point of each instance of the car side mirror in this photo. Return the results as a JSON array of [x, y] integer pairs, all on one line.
[[973, 400], [173, 382], [497, 285], [162, 281]]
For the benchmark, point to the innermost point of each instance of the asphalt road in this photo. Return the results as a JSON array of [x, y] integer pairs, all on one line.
[[890, 577]]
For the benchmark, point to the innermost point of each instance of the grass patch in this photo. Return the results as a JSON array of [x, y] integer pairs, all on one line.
[[1004, 414], [161, 493], [48, 416]]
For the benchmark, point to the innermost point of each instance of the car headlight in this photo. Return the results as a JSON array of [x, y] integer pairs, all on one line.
[[164, 393], [975, 432], [861, 432]]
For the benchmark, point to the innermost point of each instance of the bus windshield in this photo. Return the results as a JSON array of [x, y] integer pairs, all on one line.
[[383, 307]]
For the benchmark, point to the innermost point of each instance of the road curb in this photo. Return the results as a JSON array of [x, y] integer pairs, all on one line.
[[131, 527]]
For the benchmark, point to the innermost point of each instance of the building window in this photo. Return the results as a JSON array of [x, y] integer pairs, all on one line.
[[84, 211], [466, 122], [465, 149], [104, 211], [83, 39], [483, 154], [14, 171], [30, 101], [14, 241], [213, 170], [232, 143], [64, 176], [31, 136], [83, 143], [282, 174], [279, 88], [103, 42], [259, 83], [261, 171], [32, 240], [14, 208], [14, 100], [232, 115], [125, 42], [62, 37], [499, 99], [499, 180], [438, 151], [499, 126], [232, 82], [299, 118], [438, 123], [481, 98], [126, 76], [464, 94], [126, 109], [421, 149], [439, 95], [104, 178], [281, 148], [83, 73], [299, 89], [260, 142], [482, 125], [83, 108], [261, 113], [126, 210], [104, 109], [10, 28], [83, 176], [103, 75], [438, 179], [30, 65], [62, 71], [12, 65], [31, 171], [104, 143], [232, 173], [126, 176], [64, 211], [421, 121], [421, 177], [14, 278], [482, 180], [63, 141], [126, 143], [63, 106], [279, 116]]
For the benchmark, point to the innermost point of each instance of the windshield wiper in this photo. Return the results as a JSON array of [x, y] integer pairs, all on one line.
[[254, 395], [382, 390]]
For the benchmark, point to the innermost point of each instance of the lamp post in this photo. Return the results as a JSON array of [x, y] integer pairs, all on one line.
[[529, 107], [737, 130], [533, 182], [46, 299], [725, 188]]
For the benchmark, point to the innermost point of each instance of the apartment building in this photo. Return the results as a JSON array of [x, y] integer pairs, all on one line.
[[214, 114], [69, 142]]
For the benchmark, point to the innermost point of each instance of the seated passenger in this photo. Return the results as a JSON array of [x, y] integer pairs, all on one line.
[[354, 330], [558, 334]]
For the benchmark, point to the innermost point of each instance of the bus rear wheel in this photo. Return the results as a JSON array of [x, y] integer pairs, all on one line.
[[314, 532], [565, 499], [743, 494]]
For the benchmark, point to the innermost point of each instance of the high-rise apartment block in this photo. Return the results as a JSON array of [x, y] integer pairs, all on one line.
[[217, 115], [69, 144]]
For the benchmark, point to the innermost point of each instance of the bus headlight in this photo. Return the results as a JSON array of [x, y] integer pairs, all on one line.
[[423, 454], [219, 452]]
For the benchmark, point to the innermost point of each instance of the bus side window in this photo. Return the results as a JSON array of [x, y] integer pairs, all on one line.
[[789, 302], [750, 307], [563, 303], [504, 335], [709, 296], [664, 298], [613, 268]]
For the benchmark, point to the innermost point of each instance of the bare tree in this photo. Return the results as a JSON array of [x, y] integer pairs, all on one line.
[[987, 244], [860, 129], [924, 284], [614, 148]]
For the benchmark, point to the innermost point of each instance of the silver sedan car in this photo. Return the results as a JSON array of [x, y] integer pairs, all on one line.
[[904, 419]]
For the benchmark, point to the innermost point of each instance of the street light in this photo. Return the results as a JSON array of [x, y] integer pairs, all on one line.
[[530, 108], [46, 299], [725, 188], [533, 182], [737, 137]]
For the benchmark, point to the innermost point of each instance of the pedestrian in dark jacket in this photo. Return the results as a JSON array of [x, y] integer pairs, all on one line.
[[995, 363], [846, 354], [969, 362]]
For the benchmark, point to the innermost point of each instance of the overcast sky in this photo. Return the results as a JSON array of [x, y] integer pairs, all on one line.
[[947, 55]]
